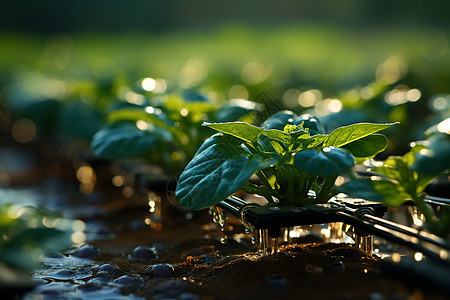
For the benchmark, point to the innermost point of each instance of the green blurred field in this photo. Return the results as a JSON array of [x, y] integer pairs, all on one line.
[[322, 57]]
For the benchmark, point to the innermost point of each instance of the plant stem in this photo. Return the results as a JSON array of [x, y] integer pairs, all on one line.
[[290, 189], [425, 209], [328, 184], [263, 178]]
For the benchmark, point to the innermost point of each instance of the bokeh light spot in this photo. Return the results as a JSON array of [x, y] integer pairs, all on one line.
[[149, 84], [24, 130], [238, 92]]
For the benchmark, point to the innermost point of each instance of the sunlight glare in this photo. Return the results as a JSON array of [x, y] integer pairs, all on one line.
[[148, 84], [444, 126], [309, 98]]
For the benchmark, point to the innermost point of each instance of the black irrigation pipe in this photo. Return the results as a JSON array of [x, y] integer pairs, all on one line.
[[365, 221], [427, 237], [391, 235], [423, 236], [437, 201]]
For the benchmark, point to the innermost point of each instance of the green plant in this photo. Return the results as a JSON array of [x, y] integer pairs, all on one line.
[[27, 233], [404, 178], [290, 155], [167, 133]]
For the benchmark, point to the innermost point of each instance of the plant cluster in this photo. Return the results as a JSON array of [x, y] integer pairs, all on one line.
[[166, 133], [405, 178], [289, 154]]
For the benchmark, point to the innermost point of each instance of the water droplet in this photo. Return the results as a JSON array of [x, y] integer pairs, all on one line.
[[110, 270], [144, 253], [125, 281], [224, 239], [87, 252], [161, 271], [254, 240]]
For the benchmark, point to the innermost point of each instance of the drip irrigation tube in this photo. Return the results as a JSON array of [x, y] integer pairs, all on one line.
[[364, 218], [392, 235]]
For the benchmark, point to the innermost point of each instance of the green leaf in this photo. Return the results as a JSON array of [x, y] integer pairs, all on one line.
[[242, 130], [385, 191], [72, 113], [277, 147], [277, 135], [367, 147], [312, 142], [262, 190], [212, 175], [123, 140], [325, 162], [361, 188], [347, 134], [235, 109], [436, 158]]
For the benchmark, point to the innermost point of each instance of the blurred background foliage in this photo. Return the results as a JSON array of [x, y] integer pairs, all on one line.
[[345, 61]]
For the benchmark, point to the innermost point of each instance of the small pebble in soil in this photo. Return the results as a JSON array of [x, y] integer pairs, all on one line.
[[276, 282], [144, 253], [110, 270], [160, 271], [87, 252], [102, 278], [312, 269], [126, 280]]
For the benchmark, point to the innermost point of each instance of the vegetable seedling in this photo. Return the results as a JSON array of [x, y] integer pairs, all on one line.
[[405, 178], [290, 154], [167, 133]]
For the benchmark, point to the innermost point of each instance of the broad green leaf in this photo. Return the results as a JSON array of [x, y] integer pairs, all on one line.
[[399, 169], [347, 134], [277, 135], [212, 175], [367, 147], [123, 140], [361, 188], [385, 191], [325, 162], [72, 113], [436, 158], [235, 109], [392, 193], [244, 131]]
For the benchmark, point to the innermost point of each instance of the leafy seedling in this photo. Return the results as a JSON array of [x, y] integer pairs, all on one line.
[[404, 178], [289, 154], [166, 134]]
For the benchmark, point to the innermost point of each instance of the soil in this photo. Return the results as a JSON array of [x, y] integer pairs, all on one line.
[[131, 253]]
